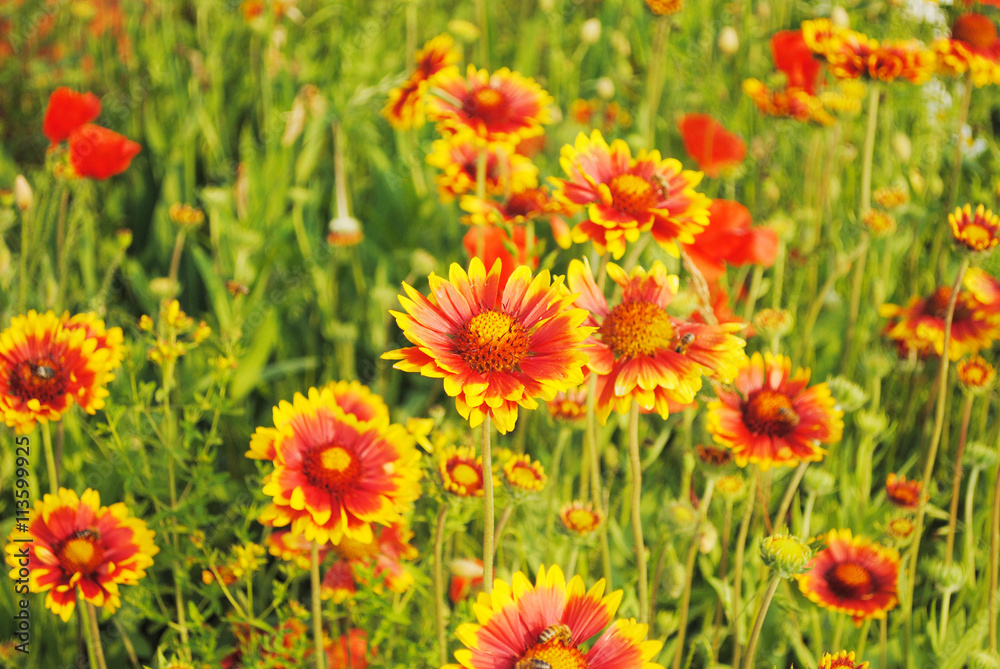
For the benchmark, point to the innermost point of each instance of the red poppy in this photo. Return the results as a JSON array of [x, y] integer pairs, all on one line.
[[710, 145], [793, 57], [67, 111], [100, 153], [730, 239], [497, 243]]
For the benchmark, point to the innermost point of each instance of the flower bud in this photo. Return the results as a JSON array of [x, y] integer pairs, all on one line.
[[819, 481], [980, 456], [786, 554], [605, 88], [947, 577], [872, 422], [984, 659], [849, 395], [590, 31], [839, 17], [23, 197], [464, 30], [729, 41]]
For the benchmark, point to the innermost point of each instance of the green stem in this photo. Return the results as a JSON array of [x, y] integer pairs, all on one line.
[[551, 493], [88, 635], [969, 556], [488, 510], [61, 251], [22, 273], [95, 634], [654, 76], [956, 484], [758, 273], [484, 38], [640, 546], [883, 641], [317, 607], [995, 557], [741, 544], [175, 261], [935, 439], [759, 624], [50, 459], [706, 501], [778, 280], [793, 485], [439, 603], [859, 649]]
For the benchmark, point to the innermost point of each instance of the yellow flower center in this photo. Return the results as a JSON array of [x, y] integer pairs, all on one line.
[[582, 520], [977, 237], [352, 549], [633, 194], [40, 379], [901, 528], [555, 653], [492, 342], [81, 554], [487, 104], [769, 412], [331, 467], [524, 476], [465, 475], [637, 328], [851, 580]]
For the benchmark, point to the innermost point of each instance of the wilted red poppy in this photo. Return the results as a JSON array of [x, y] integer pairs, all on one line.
[[67, 111], [100, 153], [793, 57], [730, 239], [496, 244], [710, 145]]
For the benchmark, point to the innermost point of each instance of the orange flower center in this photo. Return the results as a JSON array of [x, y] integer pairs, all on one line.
[[937, 305], [487, 104], [633, 194], [81, 554], [492, 342], [331, 467], [769, 412], [39, 379], [555, 653], [905, 494], [974, 29], [851, 580], [637, 328]]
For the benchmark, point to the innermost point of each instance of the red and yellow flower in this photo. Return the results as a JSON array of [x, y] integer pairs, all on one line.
[[496, 348], [854, 55], [976, 231], [842, 660], [48, 363], [854, 576], [580, 518], [973, 47], [570, 405], [462, 471], [524, 474], [512, 620], [386, 552], [405, 108], [493, 243], [791, 103], [792, 56], [642, 354], [772, 418], [919, 326], [334, 475], [76, 546], [292, 548], [627, 196], [359, 401], [517, 208], [904, 494], [503, 106], [975, 374], [466, 576], [458, 155]]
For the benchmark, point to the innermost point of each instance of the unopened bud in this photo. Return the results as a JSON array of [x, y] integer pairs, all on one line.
[[590, 31], [605, 88], [23, 197], [729, 41], [839, 17]]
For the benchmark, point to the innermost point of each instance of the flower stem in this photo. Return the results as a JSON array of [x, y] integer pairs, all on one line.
[[706, 501], [859, 649], [968, 555], [935, 438], [50, 459], [759, 624], [88, 635], [439, 605], [488, 511], [95, 634], [654, 76], [640, 546], [995, 558], [741, 544], [956, 484], [317, 607], [175, 261], [793, 485]]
